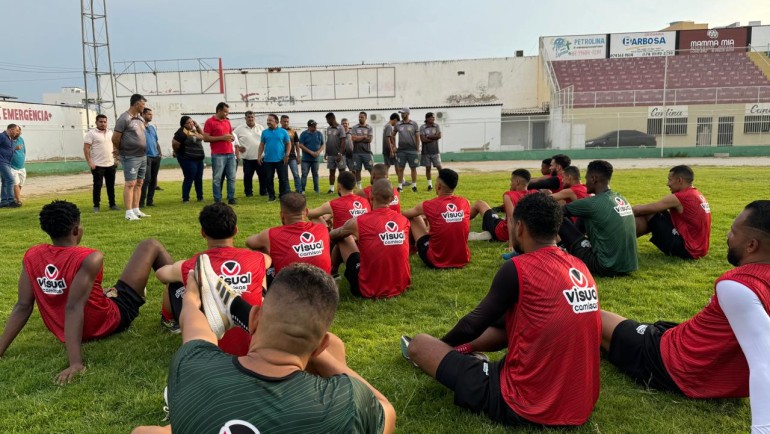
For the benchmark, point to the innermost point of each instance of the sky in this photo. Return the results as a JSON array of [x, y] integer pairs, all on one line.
[[43, 42]]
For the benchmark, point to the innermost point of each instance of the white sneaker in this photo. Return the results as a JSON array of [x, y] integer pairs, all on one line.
[[215, 296], [479, 236], [140, 214], [131, 216]]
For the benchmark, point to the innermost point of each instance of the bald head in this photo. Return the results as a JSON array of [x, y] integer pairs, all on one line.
[[379, 171], [382, 193]]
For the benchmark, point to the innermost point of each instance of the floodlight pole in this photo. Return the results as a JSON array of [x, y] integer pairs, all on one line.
[[97, 60]]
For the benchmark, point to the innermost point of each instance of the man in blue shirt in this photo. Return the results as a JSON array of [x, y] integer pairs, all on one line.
[[17, 167], [274, 148], [311, 141], [7, 146], [153, 160]]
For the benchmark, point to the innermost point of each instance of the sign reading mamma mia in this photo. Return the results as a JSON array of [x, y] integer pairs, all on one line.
[[575, 47], [713, 40], [672, 111], [642, 44]]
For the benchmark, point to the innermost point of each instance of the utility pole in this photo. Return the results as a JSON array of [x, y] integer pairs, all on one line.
[[97, 62]]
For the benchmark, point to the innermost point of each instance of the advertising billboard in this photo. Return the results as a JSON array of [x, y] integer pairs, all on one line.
[[647, 44], [713, 40], [575, 47]]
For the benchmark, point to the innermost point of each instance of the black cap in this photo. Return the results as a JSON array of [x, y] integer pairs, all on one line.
[[311, 122]]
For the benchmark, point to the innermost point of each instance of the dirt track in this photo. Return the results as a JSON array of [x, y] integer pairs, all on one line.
[[48, 185]]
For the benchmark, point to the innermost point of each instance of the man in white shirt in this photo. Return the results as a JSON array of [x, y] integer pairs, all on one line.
[[98, 150], [248, 136]]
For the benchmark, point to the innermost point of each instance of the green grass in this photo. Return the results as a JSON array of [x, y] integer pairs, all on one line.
[[126, 374]]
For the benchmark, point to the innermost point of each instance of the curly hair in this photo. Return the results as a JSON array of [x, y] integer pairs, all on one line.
[[218, 221], [59, 218]]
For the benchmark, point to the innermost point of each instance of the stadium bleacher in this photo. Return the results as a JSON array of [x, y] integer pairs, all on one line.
[[706, 78]]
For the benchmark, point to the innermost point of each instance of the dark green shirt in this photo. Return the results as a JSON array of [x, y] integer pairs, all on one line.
[[611, 229], [209, 390]]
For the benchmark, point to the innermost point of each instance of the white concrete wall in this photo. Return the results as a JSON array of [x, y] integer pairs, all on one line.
[[49, 131]]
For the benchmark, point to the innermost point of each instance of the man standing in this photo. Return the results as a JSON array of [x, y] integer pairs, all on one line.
[[293, 154], [408, 148], [389, 143], [219, 133], [130, 142], [274, 148], [548, 302], [680, 222], [721, 352], [610, 248], [249, 136], [335, 142], [347, 150], [311, 141], [430, 134], [154, 156], [444, 243], [97, 148], [375, 248], [7, 139], [17, 164], [362, 135]]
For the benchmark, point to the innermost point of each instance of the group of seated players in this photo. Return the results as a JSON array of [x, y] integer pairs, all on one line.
[[271, 304]]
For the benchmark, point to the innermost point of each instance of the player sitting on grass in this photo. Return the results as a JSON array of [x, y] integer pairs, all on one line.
[[493, 227], [375, 248], [445, 244], [610, 248], [380, 171], [573, 190], [680, 222], [349, 205], [724, 350], [554, 181], [550, 308], [65, 280], [243, 269], [296, 240], [294, 377]]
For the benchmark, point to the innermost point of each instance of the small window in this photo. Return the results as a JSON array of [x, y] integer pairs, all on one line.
[[676, 126], [654, 126], [756, 124]]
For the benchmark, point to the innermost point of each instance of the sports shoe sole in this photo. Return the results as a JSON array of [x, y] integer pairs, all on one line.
[[405, 341], [210, 285], [479, 236]]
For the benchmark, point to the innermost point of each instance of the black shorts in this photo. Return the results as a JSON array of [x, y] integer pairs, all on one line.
[[476, 385], [422, 250], [175, 294], [128, 302], [489, 223], [583, 250], [352, 266], [666, 237], [635, 350]]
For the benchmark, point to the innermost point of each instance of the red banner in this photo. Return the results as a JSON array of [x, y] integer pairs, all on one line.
[[713, 40]]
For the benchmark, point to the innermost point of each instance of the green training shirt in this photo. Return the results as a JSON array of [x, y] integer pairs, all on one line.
[[611, 228], [211, 392]]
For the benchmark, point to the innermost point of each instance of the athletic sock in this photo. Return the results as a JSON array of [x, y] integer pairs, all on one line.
[[331, 188], [129, 213], [430, 183], [135, 211], [464, 348], [239, 312], [359, 185], [414, 184]]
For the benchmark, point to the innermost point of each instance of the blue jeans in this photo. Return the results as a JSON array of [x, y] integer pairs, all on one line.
[[307, 166], [6, 191], [223, 163], [295, 174], [193, 173]]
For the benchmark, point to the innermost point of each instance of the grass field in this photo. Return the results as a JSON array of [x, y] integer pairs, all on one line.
[[126, 374]]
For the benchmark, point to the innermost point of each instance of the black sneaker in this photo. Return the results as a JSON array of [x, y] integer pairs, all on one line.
[[157, 188], [414, 189], [430, 188], [114, 208], [232, 201], [170, 325], [400, 189], [330, 191], [272, 199], [96, 209]]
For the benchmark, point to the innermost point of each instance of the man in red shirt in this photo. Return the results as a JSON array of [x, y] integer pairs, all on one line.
[[554, 181], [378, 265], [493, 227], [243, 269], [573, 189], [721, 352], [349, 205], [380, 171], [445, 244], [296, 240], [549, 304], [680, 222], [219, 133], [65, 280]]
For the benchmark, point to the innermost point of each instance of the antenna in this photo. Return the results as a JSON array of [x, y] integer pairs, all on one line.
[[97, 62]]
